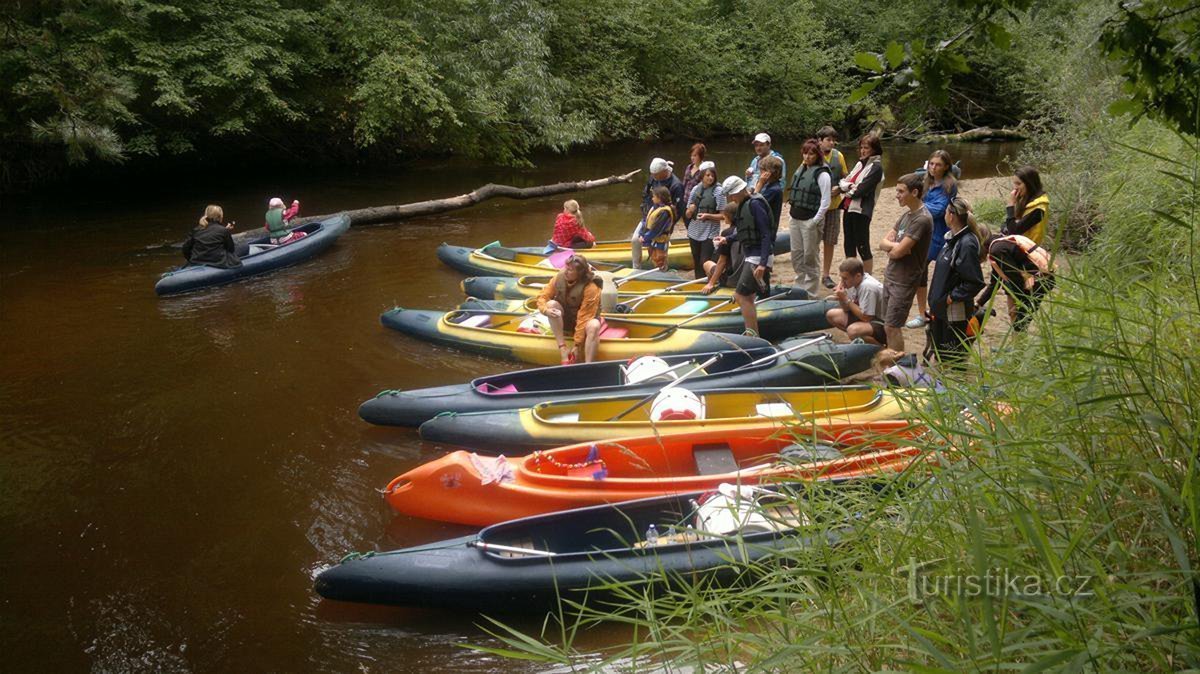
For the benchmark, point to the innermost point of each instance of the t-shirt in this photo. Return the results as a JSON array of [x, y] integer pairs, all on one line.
[[908, 270], [868, 296]]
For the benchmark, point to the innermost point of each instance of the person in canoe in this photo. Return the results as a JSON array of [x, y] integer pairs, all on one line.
[[569, 230], [211, 242], [571, 302], [277, 221], [660, 222]]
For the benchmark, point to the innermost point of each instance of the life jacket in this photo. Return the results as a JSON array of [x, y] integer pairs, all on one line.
[[834, 162], [707, 203], [652, 219], [1036, 254], [275, 223], [805, 192], [1042, 203], [747, 231], [571, 298]]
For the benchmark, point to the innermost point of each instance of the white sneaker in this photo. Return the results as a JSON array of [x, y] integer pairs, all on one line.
[[913, 324]]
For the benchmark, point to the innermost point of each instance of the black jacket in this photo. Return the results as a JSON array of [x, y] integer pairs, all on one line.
[[211, 245], [957, 273]]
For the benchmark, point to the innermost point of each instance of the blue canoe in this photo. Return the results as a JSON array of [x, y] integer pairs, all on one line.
[[263, 258]]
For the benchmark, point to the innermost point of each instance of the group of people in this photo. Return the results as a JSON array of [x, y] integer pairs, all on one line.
[[211, 241], [731, 227]]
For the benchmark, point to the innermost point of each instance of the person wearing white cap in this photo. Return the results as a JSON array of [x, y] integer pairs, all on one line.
[[277, 223], [661, 175], [705, 204], [754, 234], [762, 148]]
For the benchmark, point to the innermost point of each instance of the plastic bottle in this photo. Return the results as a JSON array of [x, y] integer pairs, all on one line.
[[652, 536]]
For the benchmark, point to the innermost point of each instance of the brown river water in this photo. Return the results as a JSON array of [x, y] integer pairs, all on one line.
[[174, 471]]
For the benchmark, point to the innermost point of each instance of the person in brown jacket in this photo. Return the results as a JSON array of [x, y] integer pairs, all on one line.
[[571, 302]]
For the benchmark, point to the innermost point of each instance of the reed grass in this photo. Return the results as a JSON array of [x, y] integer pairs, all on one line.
[[1084, 488]]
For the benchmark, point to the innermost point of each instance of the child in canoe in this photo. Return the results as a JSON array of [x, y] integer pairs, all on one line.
[[569, 230]]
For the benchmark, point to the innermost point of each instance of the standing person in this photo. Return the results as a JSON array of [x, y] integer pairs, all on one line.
[[660, 221], [858, 199], [277, 225], [836, 161], [1028, 208], [755, 233], [762, 148], [571, 303], [770, 186], [860, 304], [809, 195], [211, 241], [957, 279], [940, 189], [569, 230], [661, 175], [906, 246], [705, 203], [1025, 271], [691, 175]]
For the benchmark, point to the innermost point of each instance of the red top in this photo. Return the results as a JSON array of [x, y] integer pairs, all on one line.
[[567, 228]]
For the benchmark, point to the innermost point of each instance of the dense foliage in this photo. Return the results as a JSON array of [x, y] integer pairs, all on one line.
[[353, 80]]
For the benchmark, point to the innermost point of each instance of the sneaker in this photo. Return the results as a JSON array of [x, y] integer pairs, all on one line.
[[858, 340], [913, 324], [828, 283]]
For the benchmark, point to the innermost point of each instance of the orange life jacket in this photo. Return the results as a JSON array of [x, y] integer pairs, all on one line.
[[1036, 254]]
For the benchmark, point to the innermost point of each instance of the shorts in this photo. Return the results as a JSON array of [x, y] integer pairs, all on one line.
[[877, 330], [746, 285], [898, 300], [923, 282], [831, 227]]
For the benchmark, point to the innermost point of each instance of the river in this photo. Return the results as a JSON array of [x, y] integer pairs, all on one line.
[[175, 470]]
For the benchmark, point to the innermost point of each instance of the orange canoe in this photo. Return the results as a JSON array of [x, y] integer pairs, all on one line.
[[482, 490]]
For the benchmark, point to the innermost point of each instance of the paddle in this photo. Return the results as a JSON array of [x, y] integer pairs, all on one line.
[[633, 305], [777, 354], [644, 272], [707, 311], [495, 547], [670, 385]]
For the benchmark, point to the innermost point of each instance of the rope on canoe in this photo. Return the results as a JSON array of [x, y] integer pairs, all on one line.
[[389, 392]]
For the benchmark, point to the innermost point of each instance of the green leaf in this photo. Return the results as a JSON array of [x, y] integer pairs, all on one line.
[[863, 89], [999, 35], [868, 61], [1125, 106], [894, 54]]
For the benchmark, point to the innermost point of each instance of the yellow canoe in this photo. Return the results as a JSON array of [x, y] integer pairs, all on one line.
[[500, 261], [557, 423], [495, 334], [679, 254]]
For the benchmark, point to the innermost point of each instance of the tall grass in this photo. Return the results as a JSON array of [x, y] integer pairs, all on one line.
[[1085, 492]]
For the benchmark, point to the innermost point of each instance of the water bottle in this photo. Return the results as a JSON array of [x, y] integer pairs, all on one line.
[[651, 536]]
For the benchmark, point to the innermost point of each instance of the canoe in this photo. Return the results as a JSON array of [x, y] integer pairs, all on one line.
[[777, 319], [470, 489], [819, 362], [501, 261], [679, 254], [531, 564], [495, 334], [563, 422], [524, 287], [263, 257]]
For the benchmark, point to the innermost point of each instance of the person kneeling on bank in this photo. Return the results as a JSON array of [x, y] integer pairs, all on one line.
[[860, 304], [571, 302]]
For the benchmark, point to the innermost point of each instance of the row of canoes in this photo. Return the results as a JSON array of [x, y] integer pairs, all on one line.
[[568, 467]]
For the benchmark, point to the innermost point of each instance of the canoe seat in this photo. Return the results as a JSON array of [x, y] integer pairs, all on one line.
[[690, 307], [476, 321], [490, 389], [257, 248], [774, 410], [714, 459], [613, 332], [559, 259]]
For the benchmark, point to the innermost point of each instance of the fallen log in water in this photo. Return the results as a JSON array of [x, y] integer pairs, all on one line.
[[981, 134], [381, 214]]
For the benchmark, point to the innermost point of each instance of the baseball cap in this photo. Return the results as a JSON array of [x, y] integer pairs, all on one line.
[[733, 185], [762, 138]]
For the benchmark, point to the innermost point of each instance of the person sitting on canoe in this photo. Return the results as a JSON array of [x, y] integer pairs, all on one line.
[[571, 300], [569, 230], [211, 242], [726, 253], [277, 222], [754, 233]]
